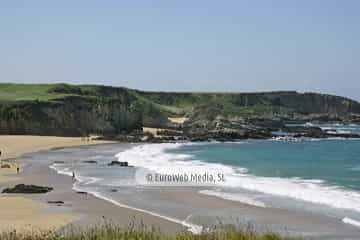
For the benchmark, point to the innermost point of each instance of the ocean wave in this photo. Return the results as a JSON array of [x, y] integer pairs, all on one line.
[[196, 229], [156, 157], [351, 221], [61, 170], [82, 181], [237, 197], [356, 168]]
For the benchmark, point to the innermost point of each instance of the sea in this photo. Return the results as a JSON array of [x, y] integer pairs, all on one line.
[[317, 176]]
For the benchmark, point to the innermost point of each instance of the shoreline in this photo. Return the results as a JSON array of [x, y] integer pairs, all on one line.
[[19, 210], [82, 210], [325, 224], [89, 210]]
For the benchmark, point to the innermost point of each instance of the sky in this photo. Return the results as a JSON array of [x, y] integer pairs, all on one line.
[[196, 45]]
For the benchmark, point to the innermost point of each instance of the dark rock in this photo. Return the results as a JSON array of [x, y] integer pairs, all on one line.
[[81, 192], [56, 202], [30, 189], [59, 162], [90, 161], [113, 190], [117, 163], [306, 131], [5, 165]]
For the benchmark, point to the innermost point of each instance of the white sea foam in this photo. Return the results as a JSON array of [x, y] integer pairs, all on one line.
[[351, 221], [234, 197], [57, 168], [356, 168], [196, 229], [154, 157], [81, 180]]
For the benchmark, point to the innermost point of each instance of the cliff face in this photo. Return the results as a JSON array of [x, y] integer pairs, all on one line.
[[68, 110], [72, 116]]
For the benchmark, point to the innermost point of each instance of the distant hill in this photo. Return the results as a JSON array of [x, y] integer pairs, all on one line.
[[73, 110]]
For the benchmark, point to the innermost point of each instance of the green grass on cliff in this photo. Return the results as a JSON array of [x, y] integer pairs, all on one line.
[[28, 92], [112, 232], [180, 104]]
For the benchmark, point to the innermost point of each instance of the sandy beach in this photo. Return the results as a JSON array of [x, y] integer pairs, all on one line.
[[32, 212], [18, 212]]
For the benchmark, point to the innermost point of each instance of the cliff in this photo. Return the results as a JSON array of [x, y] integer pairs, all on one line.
[[68, 110]]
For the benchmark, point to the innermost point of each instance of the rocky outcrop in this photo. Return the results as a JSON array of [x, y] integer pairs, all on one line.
[[29, 189], [5, 165], [120, 164], [56, 202], [90, 161]]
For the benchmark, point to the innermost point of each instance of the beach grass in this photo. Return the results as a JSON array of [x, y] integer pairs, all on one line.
[[109, 231]]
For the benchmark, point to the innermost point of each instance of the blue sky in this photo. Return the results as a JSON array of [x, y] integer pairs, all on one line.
[[304, 45]]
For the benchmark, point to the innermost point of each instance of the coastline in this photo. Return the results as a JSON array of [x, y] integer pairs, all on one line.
[[79, 210], [88, 210], [19, 210]]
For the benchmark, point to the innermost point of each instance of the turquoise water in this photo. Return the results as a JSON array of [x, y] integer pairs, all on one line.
[[337, 162], [305, 176]]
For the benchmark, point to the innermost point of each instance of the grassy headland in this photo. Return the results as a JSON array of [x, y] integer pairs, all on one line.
[[75, 110]]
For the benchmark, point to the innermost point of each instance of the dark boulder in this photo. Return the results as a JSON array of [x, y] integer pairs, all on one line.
[[90, 161], [117, 163], [56, 202], [5, 165], [81, 192], [30, 189], [59, 162]]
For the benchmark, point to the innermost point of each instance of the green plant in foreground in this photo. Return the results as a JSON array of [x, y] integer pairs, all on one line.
[[110, 231]]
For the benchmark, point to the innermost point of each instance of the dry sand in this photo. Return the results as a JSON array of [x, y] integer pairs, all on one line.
[[25, 214], [18, 212], [15, 146]]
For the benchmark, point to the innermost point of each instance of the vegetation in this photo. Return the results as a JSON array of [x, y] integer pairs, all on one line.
[[112, 232], [73, 110], [25, 92], [177, 103]]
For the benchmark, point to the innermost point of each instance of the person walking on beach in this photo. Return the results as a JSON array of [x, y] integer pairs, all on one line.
[[18, 169], [73, 175]]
